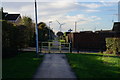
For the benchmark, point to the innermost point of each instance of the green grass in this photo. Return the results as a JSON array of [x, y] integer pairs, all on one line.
[[95, 65], [23, 65]]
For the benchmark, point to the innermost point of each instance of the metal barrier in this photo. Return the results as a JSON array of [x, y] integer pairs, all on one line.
[[55, 47]]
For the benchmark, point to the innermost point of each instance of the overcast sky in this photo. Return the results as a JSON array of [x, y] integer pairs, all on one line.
[[88, 15]]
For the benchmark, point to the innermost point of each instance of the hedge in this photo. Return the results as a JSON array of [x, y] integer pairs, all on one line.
[[113, 45]]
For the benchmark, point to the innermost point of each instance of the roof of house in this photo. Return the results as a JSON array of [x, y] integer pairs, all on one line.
[[116, 26], [12, 16], [4, 15]]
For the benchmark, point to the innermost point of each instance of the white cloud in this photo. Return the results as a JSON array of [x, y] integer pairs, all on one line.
[[56, 8], [91, 10], [60, 4], [59, 11], [91, 5], [94, 7], [70, 21]]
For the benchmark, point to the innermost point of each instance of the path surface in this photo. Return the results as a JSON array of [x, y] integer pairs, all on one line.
[[55, 66]]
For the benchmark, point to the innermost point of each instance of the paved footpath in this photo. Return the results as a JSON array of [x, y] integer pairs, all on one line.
[[55, 66]]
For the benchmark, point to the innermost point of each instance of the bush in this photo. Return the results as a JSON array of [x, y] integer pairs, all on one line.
[[62, 41], [113, 45], [14, 38], [23, 36], [9, 46]]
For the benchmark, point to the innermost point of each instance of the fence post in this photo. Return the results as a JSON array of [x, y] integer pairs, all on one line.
[[60, 47], [69, 47], [49, 46]]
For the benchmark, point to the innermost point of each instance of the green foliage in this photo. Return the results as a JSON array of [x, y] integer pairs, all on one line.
[[43, 32], [62, 41], [20, 66], [41, 25], [94, 66], [23, 36], [9, 39], [14, 38], [113, 45], [27, 21], [60, 34]]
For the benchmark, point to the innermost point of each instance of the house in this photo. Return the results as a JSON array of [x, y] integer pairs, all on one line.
[[116, 27], [14, 18]]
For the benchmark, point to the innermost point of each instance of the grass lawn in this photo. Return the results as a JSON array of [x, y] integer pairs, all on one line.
[[95, 65], [21, 66]]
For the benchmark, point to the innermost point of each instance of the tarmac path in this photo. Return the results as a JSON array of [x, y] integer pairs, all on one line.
[[55, 66]]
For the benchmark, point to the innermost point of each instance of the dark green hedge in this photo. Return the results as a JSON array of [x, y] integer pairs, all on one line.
[[16, 37], [9, 34], [13, 38]]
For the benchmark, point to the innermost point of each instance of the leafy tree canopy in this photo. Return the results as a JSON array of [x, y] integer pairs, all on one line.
[[27, 21], [42, 25], [60, 34]]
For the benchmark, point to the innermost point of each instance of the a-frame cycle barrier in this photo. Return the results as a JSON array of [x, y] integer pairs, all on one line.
[[55, 47]]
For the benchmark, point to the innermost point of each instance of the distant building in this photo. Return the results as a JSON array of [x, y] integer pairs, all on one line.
[[93, 41], [116, 27], [14, 18]]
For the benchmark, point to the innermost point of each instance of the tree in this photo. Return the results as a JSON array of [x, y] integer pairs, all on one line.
[[13, 38], [43, 32], [26, 21], [41, 25], [30, 28], [60, 35], [23, 40]]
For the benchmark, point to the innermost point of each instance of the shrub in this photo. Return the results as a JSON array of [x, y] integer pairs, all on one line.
[[13, 38], [9, 46], [113, 45]]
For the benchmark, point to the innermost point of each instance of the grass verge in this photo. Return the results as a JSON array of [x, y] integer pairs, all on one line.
[[95, 65], [23, 65]]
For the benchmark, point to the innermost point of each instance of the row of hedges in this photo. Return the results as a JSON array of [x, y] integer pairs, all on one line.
[[16, 37], [113, 45], [8, 40], [13, 38]]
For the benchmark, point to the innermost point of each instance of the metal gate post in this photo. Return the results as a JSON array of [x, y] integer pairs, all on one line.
[[60, 47], [49, 47], [69, 47]]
